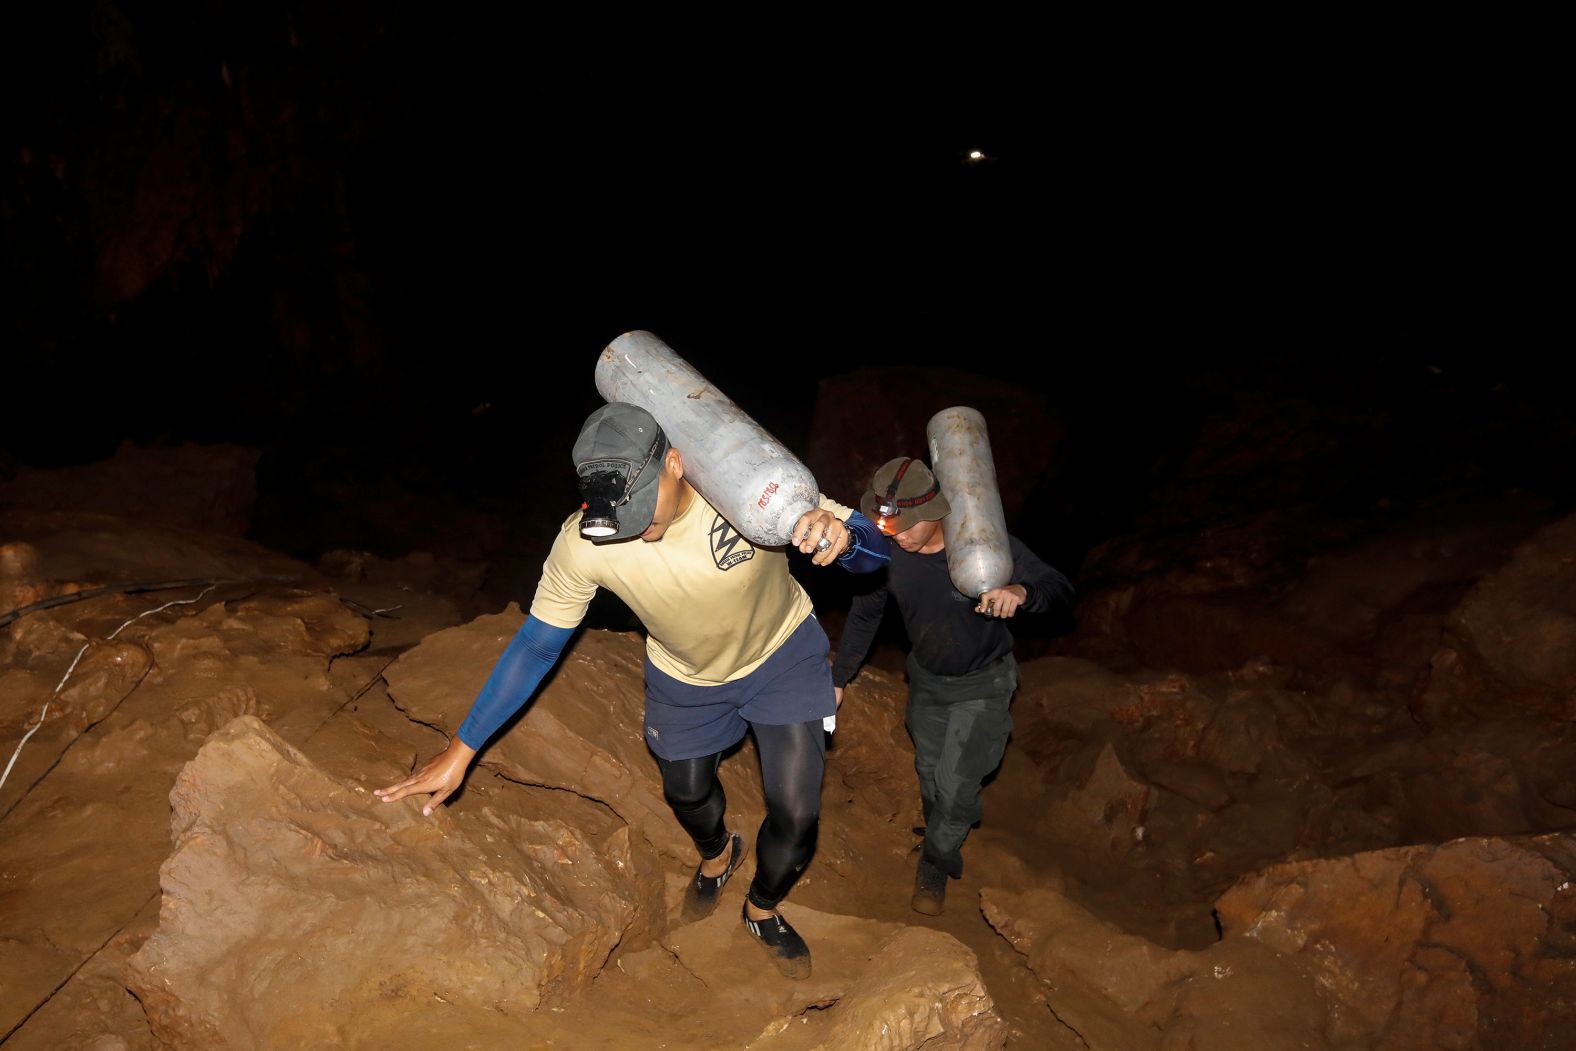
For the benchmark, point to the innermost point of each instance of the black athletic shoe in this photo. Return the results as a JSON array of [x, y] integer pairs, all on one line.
[[703, 892], [788, 951], [930, 888]]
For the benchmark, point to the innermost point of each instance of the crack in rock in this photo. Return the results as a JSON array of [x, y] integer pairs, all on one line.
[[1067, 1025]]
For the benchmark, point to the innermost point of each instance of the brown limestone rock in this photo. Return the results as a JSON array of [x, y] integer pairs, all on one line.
[[295, 902], [1522, 619], [875, 985], [96, 1014], [282, 620], [209, 487], [1513, 638], [921, 989], [1468, 944], [1118, 990], [22, 580], [583, 732], [18, 559], [1104, 813], [871, 764], [34, 656], [93, 1010]]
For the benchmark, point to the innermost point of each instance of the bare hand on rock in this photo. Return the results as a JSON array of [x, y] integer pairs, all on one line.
[[442, 775]]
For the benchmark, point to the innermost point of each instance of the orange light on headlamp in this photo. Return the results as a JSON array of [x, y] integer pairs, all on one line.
[[887, 518]]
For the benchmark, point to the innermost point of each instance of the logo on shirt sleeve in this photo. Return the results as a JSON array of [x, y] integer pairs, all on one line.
[[728, 547]]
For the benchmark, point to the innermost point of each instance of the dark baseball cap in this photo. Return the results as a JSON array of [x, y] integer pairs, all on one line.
[[624, 439], [909, 492]]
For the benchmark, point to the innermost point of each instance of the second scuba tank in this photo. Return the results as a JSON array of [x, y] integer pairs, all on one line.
[[739, 468], [979, 556]]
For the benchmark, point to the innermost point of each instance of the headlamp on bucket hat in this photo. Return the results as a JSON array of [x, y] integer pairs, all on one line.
[[619, 459], [902, 493]]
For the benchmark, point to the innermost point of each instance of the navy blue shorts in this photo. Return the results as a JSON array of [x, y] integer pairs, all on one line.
[[793, 685]]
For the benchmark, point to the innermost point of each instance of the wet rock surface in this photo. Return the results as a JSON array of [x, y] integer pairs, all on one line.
[[1325, 625], [1471, 943], [876, 985], [1355, 839], [1468, 944], [1113, 989], [80, 837], [1512, 640], [583, 734], [293, 909], [322, 903]]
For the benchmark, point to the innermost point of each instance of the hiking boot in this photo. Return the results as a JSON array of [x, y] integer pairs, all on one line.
[[930, 888], [787, 950], [703, 892]]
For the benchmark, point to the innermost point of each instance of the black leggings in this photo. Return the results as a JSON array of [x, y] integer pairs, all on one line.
[[793, 760]]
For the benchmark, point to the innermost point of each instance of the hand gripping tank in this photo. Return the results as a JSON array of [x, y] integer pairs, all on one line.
[[979, 556], [739, 468]]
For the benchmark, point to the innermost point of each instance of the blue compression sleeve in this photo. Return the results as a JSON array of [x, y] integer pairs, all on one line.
[[867, 548], [530, 655]]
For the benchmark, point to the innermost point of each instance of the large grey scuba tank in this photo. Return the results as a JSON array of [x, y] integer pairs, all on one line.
[[979, 556], [739, 468]]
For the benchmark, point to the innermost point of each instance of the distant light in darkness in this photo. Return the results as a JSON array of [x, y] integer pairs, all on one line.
[[975, 156]]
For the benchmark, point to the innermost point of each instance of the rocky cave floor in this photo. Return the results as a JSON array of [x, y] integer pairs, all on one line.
[[1325, 810]]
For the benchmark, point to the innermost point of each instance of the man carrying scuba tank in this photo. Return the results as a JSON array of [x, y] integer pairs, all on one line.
[[961, 672], [648, 535]]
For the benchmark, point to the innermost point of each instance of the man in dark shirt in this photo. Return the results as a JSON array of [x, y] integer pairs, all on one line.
[[961, 672]]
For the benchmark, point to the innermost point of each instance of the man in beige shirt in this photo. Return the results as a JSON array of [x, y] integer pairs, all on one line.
[[732, 647]]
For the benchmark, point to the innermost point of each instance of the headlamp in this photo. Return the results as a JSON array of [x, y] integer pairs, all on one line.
[[886, 517], [605, 486], [889, 507], [602, 492]]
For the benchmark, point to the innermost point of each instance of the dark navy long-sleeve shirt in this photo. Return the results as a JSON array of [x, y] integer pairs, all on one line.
[[947, 636]]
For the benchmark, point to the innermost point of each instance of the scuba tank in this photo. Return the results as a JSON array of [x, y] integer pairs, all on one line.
[[741, 470], [979, 556]]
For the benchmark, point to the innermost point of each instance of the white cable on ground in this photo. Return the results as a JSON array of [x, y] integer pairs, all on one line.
[[62, 684], [23, 741]]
